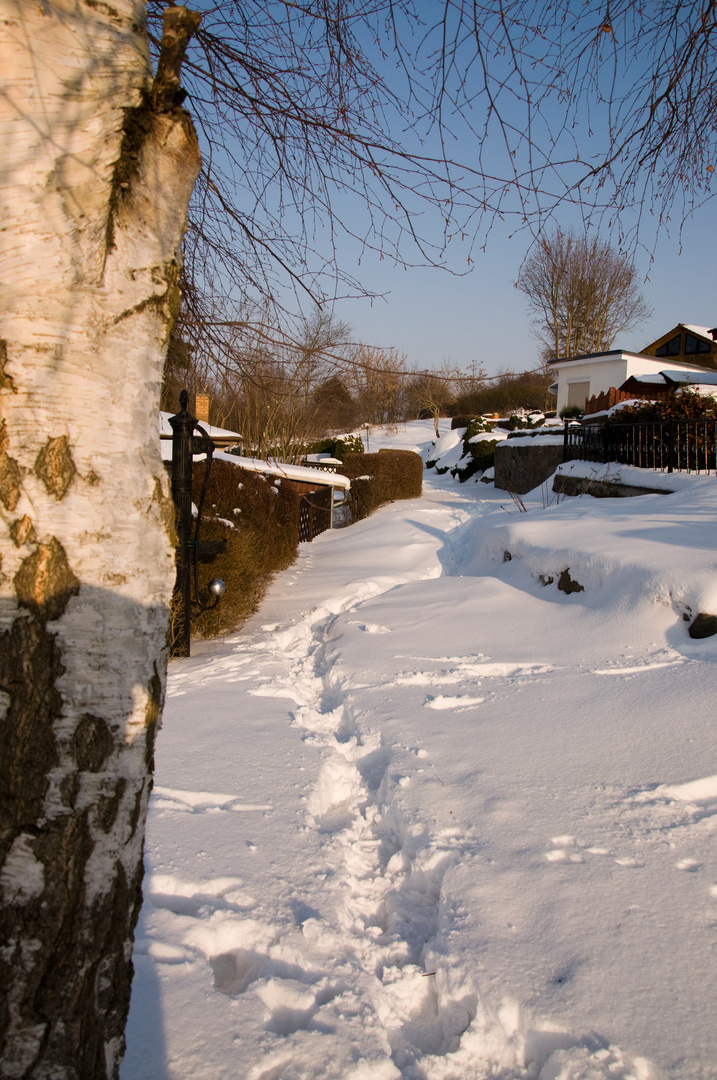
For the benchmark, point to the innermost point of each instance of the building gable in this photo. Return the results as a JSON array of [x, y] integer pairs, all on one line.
[[689, 344]]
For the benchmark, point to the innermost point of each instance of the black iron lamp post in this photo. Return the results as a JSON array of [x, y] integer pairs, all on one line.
[[184, 446]]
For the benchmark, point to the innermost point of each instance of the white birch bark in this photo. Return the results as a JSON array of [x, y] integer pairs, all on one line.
[[96, 169]]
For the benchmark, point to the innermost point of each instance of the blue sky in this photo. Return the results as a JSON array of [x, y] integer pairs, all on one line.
[[432, 315], [477, 317]]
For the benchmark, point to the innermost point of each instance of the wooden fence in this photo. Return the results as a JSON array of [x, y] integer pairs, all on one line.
[[605, 400]]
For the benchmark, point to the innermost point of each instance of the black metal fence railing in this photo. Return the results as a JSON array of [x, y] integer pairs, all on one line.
[[666, 446]]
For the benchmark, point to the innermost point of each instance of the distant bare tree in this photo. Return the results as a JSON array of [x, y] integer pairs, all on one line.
[[582, 292], [264, 384], [433, 393], [375, 379]]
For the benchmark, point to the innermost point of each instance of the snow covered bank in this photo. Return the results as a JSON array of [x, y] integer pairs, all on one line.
[[428, 818]]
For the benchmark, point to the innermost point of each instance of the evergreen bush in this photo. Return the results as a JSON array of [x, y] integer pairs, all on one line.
[[476, 456], [337, 447]]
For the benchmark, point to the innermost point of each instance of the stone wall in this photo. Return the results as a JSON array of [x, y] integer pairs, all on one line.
[[522, 468], [601, 489]]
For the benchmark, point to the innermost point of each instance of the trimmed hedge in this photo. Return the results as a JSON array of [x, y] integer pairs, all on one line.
[[259, 518], [380, 478]]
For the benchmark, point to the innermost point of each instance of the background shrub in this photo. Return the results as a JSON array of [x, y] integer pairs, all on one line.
[[462, 421], [380, 478], [338, 448], [259, 518], [507, 393], [687, 405], [572, 412]]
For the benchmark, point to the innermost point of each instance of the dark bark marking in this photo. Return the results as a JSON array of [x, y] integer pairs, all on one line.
[[75, 990], [70, 789], [152, 715], [92, 743], [106, 9], [108, 806], [10, 474], [44, 583], [55, 467], [22, 531], [30, 665], [169, 299], [6, 382], [136, 811]]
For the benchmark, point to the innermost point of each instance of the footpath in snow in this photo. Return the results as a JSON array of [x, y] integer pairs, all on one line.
[[428, 817]]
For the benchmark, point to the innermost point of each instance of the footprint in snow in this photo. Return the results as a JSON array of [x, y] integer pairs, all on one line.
[[160, 951], [702, 790], [237, 969], [292, 1004], [441, 702], [561, 854], [188, 897], [194, 802]]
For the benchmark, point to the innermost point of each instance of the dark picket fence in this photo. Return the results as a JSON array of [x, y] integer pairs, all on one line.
[[315, 510], [666, 445]]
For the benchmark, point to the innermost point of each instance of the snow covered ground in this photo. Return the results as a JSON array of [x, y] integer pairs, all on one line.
[[428, 817]]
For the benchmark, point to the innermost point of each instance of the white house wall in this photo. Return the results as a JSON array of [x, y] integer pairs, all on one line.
[[602, 372]]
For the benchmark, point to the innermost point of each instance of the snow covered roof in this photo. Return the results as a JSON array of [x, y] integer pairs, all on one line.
[[668, 377], [599, 357], [699, 331], [214, 432], [320, 477], [323, 459]]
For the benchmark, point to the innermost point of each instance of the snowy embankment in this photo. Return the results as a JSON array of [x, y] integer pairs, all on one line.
[[426, 817]]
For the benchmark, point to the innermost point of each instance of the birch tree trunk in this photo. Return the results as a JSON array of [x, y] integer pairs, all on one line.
[[98, 162]]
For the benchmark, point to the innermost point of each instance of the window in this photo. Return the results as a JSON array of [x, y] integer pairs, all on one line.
[[670, 348], [696, 345]]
